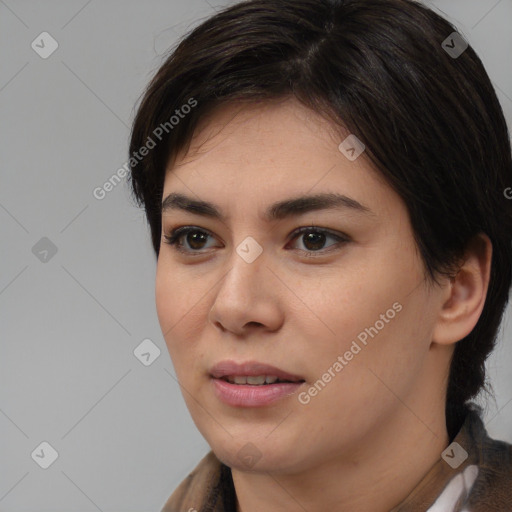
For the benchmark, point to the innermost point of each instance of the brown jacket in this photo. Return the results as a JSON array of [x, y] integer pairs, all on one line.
[[474, 474]]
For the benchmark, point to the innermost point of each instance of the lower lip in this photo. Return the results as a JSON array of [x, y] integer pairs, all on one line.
[[245, 395]]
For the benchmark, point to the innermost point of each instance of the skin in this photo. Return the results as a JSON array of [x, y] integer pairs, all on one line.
[[366, 440]]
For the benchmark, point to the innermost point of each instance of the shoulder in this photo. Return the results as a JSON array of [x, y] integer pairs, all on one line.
[[479, 478], [492, 489]]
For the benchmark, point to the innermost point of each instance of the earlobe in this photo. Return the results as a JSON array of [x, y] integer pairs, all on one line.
[[464, 298]]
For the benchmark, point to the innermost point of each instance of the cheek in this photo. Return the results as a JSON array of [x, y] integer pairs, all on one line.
[[173, 298], [379, 311], [171, 306], [165, 300], [181, 314], [348, 302]]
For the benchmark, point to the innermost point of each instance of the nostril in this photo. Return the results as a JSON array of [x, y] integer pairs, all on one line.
[[253, 324]]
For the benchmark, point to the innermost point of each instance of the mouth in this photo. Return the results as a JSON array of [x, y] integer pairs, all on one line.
[[252, 384], [259, 380], [252, 373]]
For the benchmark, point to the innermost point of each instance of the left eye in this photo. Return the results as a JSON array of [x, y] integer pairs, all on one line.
[[313, 238]]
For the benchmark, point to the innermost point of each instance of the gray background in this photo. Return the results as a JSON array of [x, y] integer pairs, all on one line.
[[69, 325]]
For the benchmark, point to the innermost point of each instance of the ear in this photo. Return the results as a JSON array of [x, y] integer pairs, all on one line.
[[464, 298]]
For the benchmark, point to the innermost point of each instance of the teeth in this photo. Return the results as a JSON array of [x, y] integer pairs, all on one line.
[[255, 381]]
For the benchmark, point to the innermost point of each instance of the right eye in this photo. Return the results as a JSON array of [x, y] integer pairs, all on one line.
[[175, 236]]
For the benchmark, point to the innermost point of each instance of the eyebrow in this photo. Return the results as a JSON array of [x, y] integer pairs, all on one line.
[[277, 211]]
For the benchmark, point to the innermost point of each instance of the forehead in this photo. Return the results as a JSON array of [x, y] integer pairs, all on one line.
[[284, 119], [260, 153]]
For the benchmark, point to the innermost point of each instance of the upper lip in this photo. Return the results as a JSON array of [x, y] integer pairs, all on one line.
[[250, 369]]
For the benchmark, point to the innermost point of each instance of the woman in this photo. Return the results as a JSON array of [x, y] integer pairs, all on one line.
[[324, 183]]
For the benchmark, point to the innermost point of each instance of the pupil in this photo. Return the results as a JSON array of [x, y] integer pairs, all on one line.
[[311, 237], [194, 235]]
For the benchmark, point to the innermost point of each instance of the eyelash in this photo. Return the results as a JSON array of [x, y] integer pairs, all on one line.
[[175, 235]]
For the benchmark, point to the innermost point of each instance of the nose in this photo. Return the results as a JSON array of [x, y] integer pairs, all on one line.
[[246, 298]]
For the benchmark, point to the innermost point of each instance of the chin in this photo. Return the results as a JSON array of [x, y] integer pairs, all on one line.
[[255, 456]]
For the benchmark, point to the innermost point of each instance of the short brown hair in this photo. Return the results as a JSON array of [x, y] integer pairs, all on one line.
[[431, 123]]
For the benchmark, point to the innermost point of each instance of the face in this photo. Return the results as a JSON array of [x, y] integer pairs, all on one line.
[[342, 305]]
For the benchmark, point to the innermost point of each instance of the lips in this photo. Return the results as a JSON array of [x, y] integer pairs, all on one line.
[[225, 369], [238, 385]]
